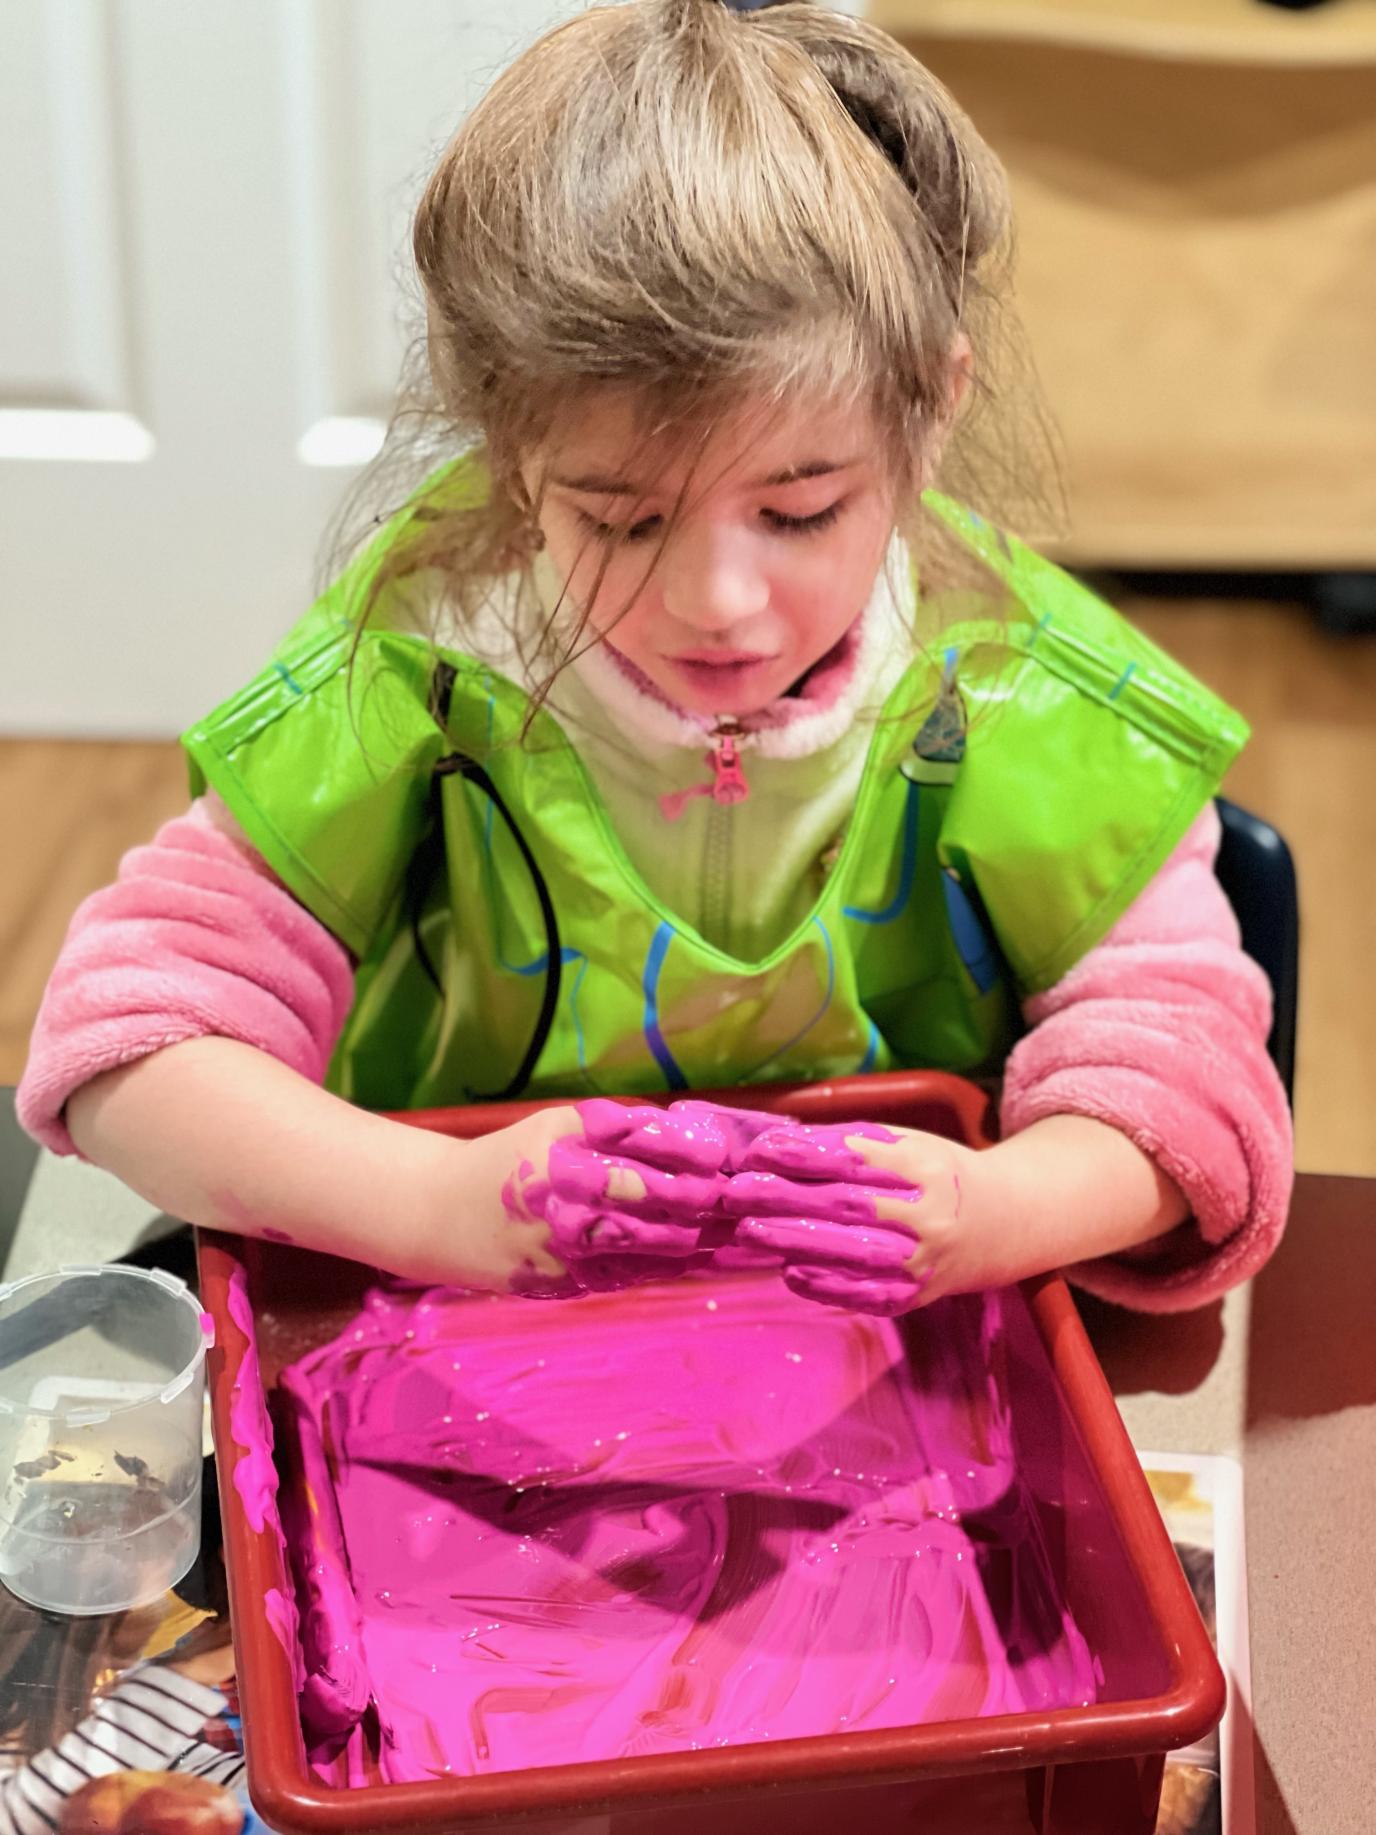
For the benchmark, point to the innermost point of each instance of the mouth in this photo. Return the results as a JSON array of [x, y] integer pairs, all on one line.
[[718, 670], [734, 684]]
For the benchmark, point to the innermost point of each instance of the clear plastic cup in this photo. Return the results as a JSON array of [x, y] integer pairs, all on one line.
[[102, 1374]]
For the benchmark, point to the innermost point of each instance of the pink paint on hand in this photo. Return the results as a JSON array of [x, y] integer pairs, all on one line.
[[812, 1239], [690, 1136], [847, 1265], [680, 1158], [883, 1296], [811, 1197], [769, 1194], [705, 1166], [823, 1153]]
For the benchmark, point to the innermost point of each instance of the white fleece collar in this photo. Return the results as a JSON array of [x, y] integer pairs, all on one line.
[[788, 728]]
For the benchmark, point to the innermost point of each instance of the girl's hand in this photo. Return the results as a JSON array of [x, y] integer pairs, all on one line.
[[872, 1219], [572, 1200]]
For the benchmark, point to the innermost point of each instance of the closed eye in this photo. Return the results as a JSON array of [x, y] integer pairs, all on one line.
[[773, 519], [616, 532], [802, 525]]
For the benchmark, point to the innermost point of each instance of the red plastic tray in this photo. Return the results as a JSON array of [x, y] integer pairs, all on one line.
[[1075, 1771]]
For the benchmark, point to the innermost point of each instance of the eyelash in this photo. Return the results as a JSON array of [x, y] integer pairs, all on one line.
[[783, 525]]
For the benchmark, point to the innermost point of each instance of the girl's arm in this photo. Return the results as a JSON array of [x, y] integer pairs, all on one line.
[[914, 1216], [1078, 1188], [223, 1135], [1147, 1141], [183, 1036], [181, 1042], [219, 1133], [1158, 1036], [195, 936]]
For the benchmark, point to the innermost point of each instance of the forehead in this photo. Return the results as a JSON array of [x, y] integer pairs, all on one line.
[[609, 436]]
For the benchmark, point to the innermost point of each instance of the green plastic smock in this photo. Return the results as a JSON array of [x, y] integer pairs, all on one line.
[[1026, 779]]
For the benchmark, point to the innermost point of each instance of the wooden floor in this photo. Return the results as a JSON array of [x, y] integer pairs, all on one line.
[[68, 810]]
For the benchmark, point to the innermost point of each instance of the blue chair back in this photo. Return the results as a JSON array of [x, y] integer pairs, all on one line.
[[1257, 872]]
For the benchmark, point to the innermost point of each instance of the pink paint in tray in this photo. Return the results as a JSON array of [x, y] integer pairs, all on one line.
[[704, 1514], [700, 1544]]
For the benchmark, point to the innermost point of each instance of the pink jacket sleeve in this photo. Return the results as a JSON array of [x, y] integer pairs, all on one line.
[[1161, 1032], [195, 937]]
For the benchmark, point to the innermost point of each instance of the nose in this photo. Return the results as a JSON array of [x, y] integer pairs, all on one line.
[[710, 580]]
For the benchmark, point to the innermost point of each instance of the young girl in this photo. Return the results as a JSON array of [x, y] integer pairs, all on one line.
[[675, 733]]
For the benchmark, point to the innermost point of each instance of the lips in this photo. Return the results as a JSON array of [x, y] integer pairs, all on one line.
[[734, 688], [722, 658], [722, 672]]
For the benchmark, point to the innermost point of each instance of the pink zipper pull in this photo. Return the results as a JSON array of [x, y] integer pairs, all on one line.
[[728, 773], [727, 784]]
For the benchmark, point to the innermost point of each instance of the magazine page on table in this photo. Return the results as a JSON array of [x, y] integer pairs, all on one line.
[[1208, 1788], [131, 1694]]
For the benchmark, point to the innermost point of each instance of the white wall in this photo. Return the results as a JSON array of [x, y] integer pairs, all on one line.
[[203, 211]]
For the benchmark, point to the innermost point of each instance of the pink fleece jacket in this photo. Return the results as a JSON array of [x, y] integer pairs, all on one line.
[[1160, 1031], [196, 937]]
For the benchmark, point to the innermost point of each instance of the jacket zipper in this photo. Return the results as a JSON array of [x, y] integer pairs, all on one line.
[[727, 783], [728, 787]]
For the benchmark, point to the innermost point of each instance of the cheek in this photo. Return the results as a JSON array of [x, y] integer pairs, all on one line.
[[615, 594], [820, 624], [868, 539], [831, 587]]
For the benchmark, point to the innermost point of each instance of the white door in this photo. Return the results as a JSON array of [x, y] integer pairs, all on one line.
[[203, 221]]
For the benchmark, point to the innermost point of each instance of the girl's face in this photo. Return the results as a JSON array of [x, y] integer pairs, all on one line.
[[771, 560]]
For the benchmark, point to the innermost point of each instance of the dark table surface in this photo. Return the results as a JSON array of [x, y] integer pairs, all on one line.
[[1281, 1374]]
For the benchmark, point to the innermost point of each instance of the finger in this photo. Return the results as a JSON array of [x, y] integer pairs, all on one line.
[[624, 1183], [883, 1296], [770, 1194], [578, 1228], [849, 1153], [736, 1128], [617, 1230], [686, 1137], [664, 1194], [834, 1245], [611, 1125], [585, 1174], [732, 1256]]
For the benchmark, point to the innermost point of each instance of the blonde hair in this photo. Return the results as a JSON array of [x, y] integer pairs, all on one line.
[[694, 203]]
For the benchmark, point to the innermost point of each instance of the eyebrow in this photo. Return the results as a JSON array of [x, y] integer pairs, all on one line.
[[599, 484]]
